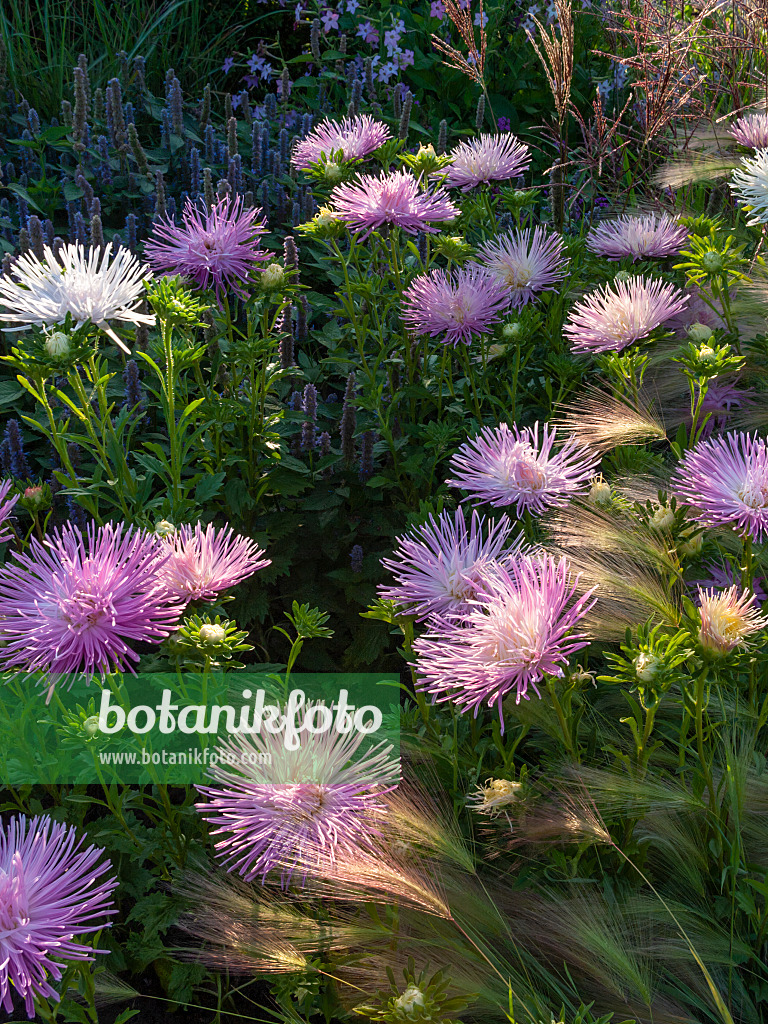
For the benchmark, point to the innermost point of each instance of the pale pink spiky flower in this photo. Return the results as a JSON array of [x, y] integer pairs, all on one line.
[[52, 890], [525, 262], [395, 199], [203, 563], [353, 137], [217, 248], [619, 313], [485, 159], [728, 617], [520, 629], [508, 466], [649, 235], [751, 130], [455, 307]]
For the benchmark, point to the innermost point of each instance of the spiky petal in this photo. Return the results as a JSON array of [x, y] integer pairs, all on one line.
[[488, 158], [519, 629], [650, 235], [395, 199], [751, 130], [6, 507], [725, 480], [203, 563], [728, 617], [525, 262], [455, 307], [354, 137], [749, 185], [437, 565], [52, 889], [88, 286], [508, 466], [617, 314]]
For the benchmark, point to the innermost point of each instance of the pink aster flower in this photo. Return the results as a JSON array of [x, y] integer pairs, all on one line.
[[203, 563], [355, 137], [519, 629], [638, 237], [284, 808], [217, 248], [489, 158], [51, 890], [525, 262], [73, 604], [395, 199], [751, 130], [509, 466], [619, 313], [6, 507], [437, 566], [456, 307], [725, 481], [728, 618]]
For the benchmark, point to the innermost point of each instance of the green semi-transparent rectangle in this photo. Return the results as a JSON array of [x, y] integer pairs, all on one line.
[[58, 743]]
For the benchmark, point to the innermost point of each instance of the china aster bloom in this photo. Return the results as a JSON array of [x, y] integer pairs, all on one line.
[[751, 130], [728, 617], [455, 307], [725, 481], [6, 507], [217, 248], [617, 314], [749, 185], [437, 565], [52, 889], [88, 286], [203, 563], [519, 629], [72, 605], [354, 137], [525, 262], [280, 807], [648, 235], [489, 158], [509, 466], [395, 199]]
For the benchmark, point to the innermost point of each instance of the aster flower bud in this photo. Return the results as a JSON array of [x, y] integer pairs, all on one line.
[[699, 333], [662, 518], [691, 542], [57, 345], [646, 666], [272, 278], [164, 528], [210, 634], [600, 493]]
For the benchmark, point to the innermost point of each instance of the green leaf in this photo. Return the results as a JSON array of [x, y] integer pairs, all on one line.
[[208, 487]]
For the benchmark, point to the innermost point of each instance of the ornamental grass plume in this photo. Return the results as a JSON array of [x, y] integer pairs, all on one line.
[[602, 420], [649, 235], [85, 286], [74, 604], [51, 891], [455, 307], [508, 466], [751, 130], [525, 262], [217, 248], [354, 137], [520, 629], [486, 159], [283, 808], [619, 313], [725, 481], [727, 618], [395, 199], [438, 564], [204, 562], [749, 185]]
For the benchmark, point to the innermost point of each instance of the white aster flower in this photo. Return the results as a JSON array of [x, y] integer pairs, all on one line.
[[88, 286], [750, 186]]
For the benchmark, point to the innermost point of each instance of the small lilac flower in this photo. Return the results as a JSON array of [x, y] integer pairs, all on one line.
[[725, 481], [638, 237], [751, 130], [368, 33], [436, 10], [453, 308], [489, 158], [437, 566], [509, 466], [6, 507], [519, 629], [395, 199], [283, 807], [216, 248], [406, 59], [72, 605], [356, 137], [525, 262], [330, 20], [617, 314], [203, 563], [229, 63], [51, 890]]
